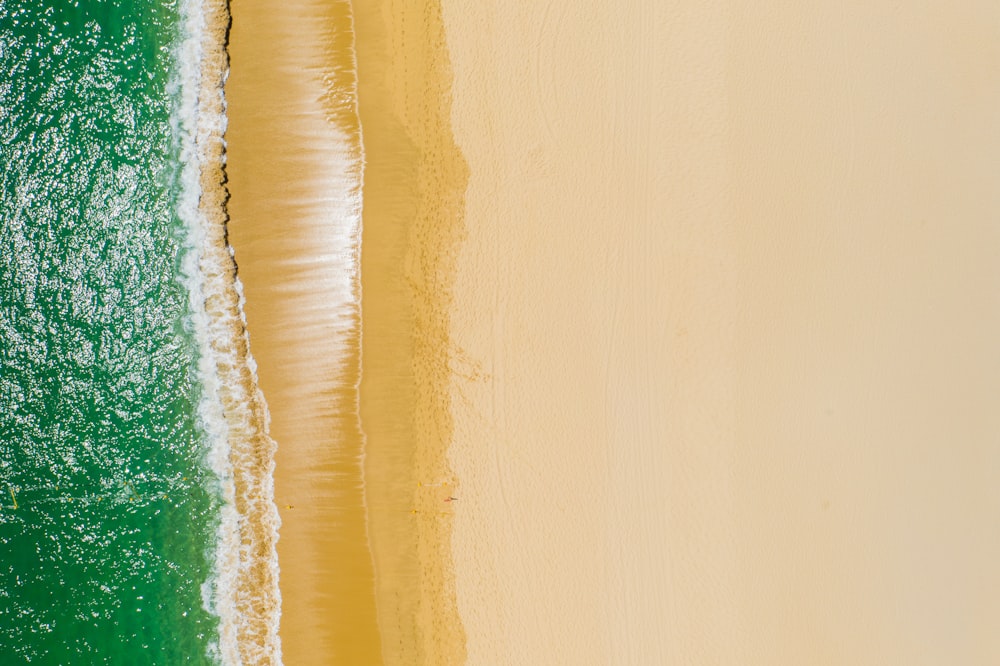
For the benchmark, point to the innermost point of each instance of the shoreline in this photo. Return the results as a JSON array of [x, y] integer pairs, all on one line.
[[295, 167], [245, 592], [363, 548]]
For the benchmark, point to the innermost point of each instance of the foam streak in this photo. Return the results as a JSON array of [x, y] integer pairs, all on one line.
[[244, 591]]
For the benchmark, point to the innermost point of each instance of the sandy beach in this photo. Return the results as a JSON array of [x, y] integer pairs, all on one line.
[[413, 187], [351, 346], [597, 291], [730, 283], [693, 308], [294, 158]]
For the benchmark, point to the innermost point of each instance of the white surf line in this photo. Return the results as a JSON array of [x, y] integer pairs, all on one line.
[[243, 592]]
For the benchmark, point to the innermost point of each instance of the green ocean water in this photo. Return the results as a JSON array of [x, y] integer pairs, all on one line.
[[108, 512]]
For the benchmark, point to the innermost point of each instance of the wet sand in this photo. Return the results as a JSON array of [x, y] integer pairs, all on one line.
[[294, 159], [352, 348], [246, 575], [414, 184], [729, 303]]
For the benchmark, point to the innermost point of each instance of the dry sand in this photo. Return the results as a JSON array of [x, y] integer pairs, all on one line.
[[729, 305]]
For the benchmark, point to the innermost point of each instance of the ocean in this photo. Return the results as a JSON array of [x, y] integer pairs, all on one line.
[[118, 517]]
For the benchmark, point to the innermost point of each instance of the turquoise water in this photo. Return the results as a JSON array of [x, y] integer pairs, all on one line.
[[105, 557]]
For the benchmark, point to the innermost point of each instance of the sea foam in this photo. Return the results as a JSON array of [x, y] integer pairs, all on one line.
[[243, 591]]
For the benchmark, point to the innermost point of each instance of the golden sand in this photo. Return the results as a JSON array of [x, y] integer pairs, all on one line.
[[293, 163], [358, 396], [731, 279], [414, 183], [714, 347], [596, 289]]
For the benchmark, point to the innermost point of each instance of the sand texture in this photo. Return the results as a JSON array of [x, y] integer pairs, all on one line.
[[729, 304], [351, 344], [693, 306], [414, 184], [294, 166]]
